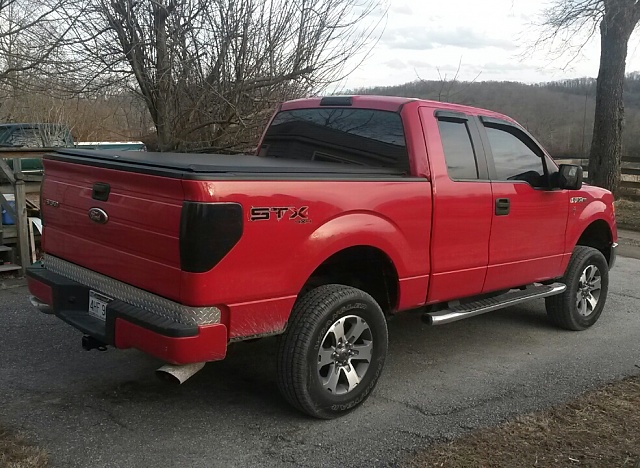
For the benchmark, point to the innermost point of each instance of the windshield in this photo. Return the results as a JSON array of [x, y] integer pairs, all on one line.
[[4, 132], [365, 137]]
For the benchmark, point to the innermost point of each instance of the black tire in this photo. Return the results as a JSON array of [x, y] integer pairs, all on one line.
[[313, 323], [565, 310]]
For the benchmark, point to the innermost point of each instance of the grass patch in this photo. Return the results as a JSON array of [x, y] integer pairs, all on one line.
[[628, 214], [599, 429], [16, 452]]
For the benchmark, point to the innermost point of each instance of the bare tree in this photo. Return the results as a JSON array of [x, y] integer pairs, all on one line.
[[570, 20], [211, 71], [33, 36]]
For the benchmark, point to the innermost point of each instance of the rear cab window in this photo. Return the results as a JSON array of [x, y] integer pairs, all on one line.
[[360, 137]]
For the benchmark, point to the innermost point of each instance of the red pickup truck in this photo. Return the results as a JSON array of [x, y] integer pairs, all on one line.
[[353, 209]]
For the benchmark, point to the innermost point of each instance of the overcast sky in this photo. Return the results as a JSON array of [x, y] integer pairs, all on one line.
[[491, 38]]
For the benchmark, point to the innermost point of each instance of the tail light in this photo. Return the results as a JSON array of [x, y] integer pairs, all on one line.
[[208, 232]]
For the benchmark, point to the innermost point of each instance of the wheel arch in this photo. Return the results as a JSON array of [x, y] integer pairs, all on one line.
[[343, 248], [599, 235], [364, 267], [593, 226]]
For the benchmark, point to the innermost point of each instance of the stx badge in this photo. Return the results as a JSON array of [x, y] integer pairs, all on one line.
[[265, 213], [578, 200]]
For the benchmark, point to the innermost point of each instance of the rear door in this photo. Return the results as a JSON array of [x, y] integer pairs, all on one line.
[[462, 205], [529, 219]]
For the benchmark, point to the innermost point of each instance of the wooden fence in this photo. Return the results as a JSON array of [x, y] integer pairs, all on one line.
[[630, 184]]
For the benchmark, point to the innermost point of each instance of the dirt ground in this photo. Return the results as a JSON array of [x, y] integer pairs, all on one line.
[[16, 452], [628, 214], [599, 429]]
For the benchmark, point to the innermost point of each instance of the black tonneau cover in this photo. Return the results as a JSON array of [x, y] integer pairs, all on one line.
[[204, 166]]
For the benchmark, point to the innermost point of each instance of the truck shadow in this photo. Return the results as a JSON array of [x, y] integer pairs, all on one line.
[[512, 328], [246, 379]]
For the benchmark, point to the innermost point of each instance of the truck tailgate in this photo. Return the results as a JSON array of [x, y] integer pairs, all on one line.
[[138, 241]]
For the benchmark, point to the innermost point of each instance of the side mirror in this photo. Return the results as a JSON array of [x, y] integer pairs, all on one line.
[[569, 177]]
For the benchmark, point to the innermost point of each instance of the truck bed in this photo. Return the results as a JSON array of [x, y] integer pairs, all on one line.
[[200, 166]]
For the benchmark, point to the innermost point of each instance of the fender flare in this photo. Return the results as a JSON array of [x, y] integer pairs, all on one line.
[[596, 211], [354, 229]]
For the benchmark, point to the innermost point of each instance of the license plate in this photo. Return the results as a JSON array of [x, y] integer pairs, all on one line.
[[98, 305]]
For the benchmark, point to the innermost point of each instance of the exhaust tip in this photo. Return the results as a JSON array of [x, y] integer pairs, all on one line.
[[178, 375], [168, 377]]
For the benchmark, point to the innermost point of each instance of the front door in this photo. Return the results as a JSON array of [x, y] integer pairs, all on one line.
[[529, 220]]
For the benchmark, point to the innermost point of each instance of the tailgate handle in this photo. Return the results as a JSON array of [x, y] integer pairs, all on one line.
[[101, 191], [503, 206]]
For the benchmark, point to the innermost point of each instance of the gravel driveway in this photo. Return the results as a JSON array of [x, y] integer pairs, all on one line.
[[108, 409]]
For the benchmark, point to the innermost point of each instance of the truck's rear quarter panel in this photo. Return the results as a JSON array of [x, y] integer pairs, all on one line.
[[260, 278]]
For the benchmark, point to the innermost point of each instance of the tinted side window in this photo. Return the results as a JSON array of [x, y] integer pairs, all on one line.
[[458, 150], [514, 160]]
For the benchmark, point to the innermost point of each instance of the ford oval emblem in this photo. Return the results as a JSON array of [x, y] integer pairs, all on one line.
[[98, 216]]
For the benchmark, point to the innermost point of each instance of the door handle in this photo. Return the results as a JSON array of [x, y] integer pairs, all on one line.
[[503, 206]]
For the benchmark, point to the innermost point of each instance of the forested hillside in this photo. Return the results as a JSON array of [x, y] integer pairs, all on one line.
[[553, 112]]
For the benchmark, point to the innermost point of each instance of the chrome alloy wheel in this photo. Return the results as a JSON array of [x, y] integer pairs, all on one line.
[[345, 354], [588, 290]]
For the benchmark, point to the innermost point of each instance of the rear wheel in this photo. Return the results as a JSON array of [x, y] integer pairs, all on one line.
[[333, 352], [587, 280]]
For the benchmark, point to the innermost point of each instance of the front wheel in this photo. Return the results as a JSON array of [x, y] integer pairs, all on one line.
[[333, 352], [587, 280]]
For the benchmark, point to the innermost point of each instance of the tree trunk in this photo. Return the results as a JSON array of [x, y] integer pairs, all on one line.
[[606, 147], [163, 70]]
